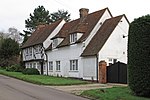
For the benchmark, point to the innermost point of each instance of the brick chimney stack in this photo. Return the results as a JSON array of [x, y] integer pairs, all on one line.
[[83, 12]]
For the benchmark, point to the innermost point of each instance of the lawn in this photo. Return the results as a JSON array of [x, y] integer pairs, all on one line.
[[115, 93], [43, 79]]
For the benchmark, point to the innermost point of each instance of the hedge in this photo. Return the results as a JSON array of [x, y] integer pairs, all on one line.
[[139, 56]]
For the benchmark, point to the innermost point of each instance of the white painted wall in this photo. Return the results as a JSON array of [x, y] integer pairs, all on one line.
[[64, 55], [116, 45], [89, 68]]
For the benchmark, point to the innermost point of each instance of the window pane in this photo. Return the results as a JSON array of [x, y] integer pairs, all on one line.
[[73, 64], [57, 65], [50, 65]]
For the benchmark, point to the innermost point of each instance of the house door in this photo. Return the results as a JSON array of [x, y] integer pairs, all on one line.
[[41, 67]]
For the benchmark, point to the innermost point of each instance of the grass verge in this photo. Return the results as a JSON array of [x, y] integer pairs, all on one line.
[[43, 79], [114, 93]]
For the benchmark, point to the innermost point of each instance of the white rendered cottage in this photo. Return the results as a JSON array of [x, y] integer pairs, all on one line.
[[79, 45]]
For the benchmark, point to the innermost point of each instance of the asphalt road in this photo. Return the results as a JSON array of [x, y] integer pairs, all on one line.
[[13, 89]]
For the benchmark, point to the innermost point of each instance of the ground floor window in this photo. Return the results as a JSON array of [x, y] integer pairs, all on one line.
[[57, 65], [111, 61], [34, 65], [30, 65], [51, 66], [27, 65], [73, 65]]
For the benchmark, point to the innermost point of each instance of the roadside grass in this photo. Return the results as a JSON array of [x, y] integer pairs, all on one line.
[[43, 79], [114, 93]]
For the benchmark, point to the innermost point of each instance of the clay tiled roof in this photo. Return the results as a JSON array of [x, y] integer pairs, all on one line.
[[81, 25], [101, 36], [40, 35]]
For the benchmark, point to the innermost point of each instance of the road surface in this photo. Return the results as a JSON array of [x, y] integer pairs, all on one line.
[[13, 89]]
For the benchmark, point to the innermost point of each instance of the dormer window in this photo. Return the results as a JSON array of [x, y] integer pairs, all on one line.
[[55, 43], [73, 38]]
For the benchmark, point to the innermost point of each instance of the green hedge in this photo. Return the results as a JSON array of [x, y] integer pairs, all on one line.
[[139, 56], [14, 68], [30, 71]]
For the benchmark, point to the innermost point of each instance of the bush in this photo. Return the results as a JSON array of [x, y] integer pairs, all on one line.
[[14, 68], [139, 56], [30, 71]]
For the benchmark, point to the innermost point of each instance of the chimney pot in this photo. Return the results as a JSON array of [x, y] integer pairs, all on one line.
[[83, 12]]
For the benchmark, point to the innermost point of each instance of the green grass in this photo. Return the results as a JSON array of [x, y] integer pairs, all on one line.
[[43, 79], [115, 93]]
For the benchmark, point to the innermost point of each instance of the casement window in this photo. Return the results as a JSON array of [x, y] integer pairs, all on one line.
[[30, 65], [27, 65], [30, 51], [57, 65], [34, 65], [111, 61], [55, 43], [73, 38], [51, 66], [27, 51], [37, 49], [73, 65]]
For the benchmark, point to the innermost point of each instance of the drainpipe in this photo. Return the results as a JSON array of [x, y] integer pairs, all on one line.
[[47, 63], [97, 64], [46, 60]]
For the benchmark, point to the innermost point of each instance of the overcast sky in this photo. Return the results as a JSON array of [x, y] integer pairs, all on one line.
[[13, 13]]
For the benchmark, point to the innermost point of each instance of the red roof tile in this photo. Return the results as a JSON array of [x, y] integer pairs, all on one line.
[[40, 35], [80, 25]]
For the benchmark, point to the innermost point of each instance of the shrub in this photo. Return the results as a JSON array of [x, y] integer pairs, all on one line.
[[139, 56], [31, 71], [14, 68]]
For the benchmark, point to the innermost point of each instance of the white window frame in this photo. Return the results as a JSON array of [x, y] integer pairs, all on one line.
[[111, 61], [50, 65], [74, 65], [34, 65], [27, 65], [57, 65], [37, 49], [30, 65], [27, 51], [30, 51], [73, 38], [55, 43]]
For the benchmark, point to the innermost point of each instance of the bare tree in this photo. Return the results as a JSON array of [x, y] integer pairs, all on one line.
[[14, 34]]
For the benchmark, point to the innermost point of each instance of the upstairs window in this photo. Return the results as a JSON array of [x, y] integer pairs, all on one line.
[[37, 49], [30, 51], [55, 43], [73, 38], [27, 51]]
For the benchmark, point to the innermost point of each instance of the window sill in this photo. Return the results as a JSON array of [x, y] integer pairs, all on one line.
[[58, 71], [73, 71]]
